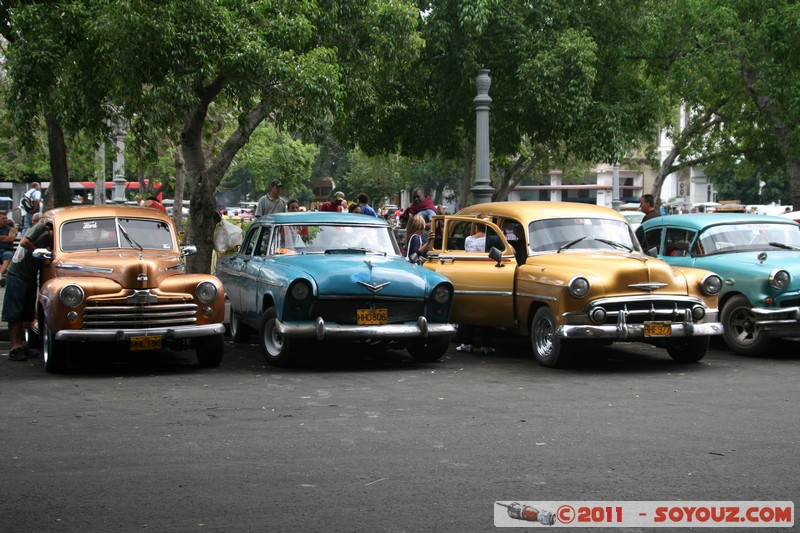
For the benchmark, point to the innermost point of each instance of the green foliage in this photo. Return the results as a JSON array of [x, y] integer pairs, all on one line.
[[272, 154]]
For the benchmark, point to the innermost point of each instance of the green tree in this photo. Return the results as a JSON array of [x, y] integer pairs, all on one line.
[[566, 80], [733, 64], [292, 63]]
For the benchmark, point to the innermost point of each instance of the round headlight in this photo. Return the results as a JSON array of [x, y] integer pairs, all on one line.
[[711, 284], [206, 292], [779, 279], [579, 287], [71, 295], [300, 290], [441, 294]]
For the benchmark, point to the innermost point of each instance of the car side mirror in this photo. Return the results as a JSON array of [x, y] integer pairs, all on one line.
[[416, 259], [43, 253], [189, 249], [497, 255], [652, 252]]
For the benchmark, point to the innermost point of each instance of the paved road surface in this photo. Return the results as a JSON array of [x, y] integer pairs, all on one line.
[[385, 444]]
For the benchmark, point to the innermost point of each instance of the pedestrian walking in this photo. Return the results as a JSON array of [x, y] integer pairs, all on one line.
[[363, 201]]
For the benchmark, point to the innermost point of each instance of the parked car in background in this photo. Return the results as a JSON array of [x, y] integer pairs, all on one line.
[[568, 275], [310, 276], [634, 217], [758, 258], [116, 275]]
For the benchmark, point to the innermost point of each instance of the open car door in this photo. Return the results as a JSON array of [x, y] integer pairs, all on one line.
[[484, 287]]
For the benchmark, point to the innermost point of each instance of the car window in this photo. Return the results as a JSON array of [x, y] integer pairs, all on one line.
[[678, 242], [580, 233], [652, 238], [748, 237], [250, 240], [264, 241], [336, 238], [105, 233]]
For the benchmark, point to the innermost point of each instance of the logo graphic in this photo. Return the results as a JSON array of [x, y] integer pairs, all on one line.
[[518, 511]]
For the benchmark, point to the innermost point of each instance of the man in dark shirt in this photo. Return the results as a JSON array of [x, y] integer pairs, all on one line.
[[22, 284]]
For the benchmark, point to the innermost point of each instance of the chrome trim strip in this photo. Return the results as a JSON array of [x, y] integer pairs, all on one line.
[[79, 268], [320, 330]]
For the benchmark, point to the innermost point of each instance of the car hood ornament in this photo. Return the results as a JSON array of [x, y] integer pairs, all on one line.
[[649, 286], [374, 287]]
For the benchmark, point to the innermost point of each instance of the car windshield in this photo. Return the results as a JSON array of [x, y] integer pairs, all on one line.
[[748, 237], [580, 233], [333, 239], [105, 233]]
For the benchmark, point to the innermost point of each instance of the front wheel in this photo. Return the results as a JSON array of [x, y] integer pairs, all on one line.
[[209, 350], [740, 331], [549, 349], [55, 353], [275, 347], [428, 350], [688, 349], [240, 333]]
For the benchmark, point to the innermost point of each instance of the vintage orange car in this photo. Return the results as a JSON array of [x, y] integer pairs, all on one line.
[[566, 274], [116, 275]]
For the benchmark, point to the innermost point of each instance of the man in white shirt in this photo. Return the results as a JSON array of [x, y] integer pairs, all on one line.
[[35, 194]]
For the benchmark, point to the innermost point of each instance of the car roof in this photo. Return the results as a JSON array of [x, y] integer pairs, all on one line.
[[701, 220], [322, 217], [529, 210], [61, 214]]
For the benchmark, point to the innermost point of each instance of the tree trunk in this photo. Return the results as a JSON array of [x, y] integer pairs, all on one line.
[[180, 177], [204, 180], [793, 171], [58, 194], [467, 184]]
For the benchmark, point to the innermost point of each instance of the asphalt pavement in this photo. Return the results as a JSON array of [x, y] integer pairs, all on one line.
[[352, 440]]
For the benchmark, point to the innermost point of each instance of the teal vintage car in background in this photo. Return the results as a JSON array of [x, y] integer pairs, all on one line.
[[329, 277], [758, 258]]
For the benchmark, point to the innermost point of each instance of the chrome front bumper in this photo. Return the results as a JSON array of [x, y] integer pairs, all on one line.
[[319, 330], [114, 335], [622, 330], [778, 321]]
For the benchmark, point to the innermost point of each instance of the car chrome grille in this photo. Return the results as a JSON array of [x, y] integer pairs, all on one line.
[[641, 310], [139, 316], [344, 311]]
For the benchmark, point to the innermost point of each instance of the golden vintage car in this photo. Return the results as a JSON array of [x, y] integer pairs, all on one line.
[[116, 275], [568, 273]]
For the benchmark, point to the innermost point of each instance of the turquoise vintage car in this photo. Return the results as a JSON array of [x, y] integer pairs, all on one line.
[[333, 277], [758, 258]]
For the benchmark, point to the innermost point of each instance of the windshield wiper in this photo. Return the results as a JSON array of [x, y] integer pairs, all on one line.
[[353, 250], [128, 238], [570, 244], [784, 246], [615, 244]]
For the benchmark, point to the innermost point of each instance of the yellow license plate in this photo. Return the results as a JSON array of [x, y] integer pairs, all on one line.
[[145, 343], [370, 317], [657, 329]]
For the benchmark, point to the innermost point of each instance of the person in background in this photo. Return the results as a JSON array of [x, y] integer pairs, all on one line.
[[7, 235], [355, 209], [35, 194], [363, 201], [22, 284], [293, 206], [476, 241], [420, 204], [272, 202], [647, 206], [338, 204], [415, 244], [153, 202]]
